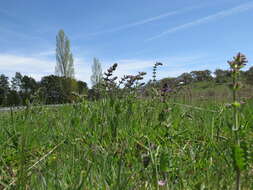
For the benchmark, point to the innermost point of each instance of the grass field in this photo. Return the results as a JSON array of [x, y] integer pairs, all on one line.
[[127, 143]]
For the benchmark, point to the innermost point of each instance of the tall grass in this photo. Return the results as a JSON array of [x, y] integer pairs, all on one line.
[[121, 144]]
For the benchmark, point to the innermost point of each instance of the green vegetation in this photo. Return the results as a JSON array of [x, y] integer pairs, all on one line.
[[125, 143], [166, 138]]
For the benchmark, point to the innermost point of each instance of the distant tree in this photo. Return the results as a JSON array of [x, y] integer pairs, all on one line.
[[97, 75], [221, 76], [4, 82], [170, 81], [52, 89], [3, 97], [13, 98], [64, 58], [202, 75], [28, 88], [58, 90], [28, 85], [186, 78], [16, 82], [69, 86], [4, 89], [82, 87]]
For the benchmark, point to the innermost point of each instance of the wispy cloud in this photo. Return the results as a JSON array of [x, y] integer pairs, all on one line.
[[48, 53], [31, 66], [219, 15], [13, 27], [146, 21], [21, 36]]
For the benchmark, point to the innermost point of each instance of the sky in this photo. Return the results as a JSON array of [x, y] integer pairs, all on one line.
[[184, 35]]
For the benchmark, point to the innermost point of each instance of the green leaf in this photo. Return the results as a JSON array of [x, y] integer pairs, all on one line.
[[239, 158], [164, 162], [162, 116]]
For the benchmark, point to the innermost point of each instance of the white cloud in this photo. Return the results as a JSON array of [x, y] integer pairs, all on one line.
[[46, 53], [38, 65], [31, 66], [219, 15]]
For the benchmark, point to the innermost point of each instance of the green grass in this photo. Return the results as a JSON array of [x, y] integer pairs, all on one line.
[[125, 143]]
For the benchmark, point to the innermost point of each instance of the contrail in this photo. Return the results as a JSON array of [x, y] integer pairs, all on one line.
[[221, 14], [146, 21]]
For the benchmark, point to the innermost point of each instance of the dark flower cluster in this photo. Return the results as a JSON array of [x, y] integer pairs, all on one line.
[[165, 89], [110, 82], [158, 64], [111, 70], [238, 62], [154, 70], [130, 80]]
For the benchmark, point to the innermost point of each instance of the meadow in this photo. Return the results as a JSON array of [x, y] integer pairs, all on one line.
[[128, 143]]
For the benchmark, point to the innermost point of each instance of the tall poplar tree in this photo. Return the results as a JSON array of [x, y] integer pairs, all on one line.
[[64, 58], [97, 75]]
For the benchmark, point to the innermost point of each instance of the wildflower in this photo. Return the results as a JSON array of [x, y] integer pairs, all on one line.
[[110, 83], [239, 62], [154, 70], [132, 79], [161, 182], [158, 64], [166, 88]]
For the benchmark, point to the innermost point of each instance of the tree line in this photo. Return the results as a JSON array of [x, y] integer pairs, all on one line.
[[219, 76], [50, 89], [55, 89]]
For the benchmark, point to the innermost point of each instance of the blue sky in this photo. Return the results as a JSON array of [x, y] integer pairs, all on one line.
[[185, 35]]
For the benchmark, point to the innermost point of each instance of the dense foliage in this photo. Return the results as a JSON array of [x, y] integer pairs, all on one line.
[[50, 90]]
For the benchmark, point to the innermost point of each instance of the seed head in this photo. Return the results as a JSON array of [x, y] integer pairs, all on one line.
[[238, 62]]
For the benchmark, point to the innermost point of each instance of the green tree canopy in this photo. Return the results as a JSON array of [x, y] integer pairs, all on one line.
[[186, 78], [16, 82], [4, 89], [221, 76], [202, 75]]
